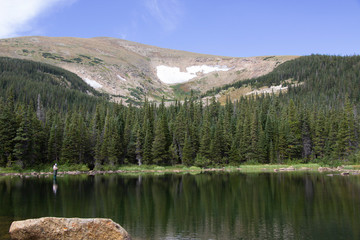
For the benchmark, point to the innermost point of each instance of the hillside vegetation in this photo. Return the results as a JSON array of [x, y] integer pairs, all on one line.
[[57, 88], [331, 76], [128, 71], [314, 122]]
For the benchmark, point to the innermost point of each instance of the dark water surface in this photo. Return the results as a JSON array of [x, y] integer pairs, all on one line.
[[203, 206]]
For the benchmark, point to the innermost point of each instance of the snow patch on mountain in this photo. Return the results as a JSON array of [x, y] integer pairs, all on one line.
[[206, 69], [93, 83], [121, 78], [171, 75]]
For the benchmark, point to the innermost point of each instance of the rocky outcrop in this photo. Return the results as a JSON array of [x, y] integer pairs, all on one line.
[[288, 169], [67, 228]]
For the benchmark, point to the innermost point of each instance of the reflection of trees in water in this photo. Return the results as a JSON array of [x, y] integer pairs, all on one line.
[[211, 205]]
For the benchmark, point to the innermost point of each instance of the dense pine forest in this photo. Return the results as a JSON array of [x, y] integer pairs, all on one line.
[[50, 115]]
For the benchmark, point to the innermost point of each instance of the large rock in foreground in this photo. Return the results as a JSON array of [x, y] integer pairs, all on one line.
[[67, 228]]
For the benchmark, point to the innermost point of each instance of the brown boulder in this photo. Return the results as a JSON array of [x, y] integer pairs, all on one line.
[[67, 228]]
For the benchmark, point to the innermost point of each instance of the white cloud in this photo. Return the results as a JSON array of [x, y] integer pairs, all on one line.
[[17, 16], [167, 13]]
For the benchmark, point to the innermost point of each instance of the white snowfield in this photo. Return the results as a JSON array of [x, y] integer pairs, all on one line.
[[121, 78], [92, 83], [171, 75]]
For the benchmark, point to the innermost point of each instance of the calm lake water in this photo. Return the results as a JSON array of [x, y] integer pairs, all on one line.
[[203, 206]]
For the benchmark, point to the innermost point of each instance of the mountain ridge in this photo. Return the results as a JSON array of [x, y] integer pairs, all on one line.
[[129, 71]]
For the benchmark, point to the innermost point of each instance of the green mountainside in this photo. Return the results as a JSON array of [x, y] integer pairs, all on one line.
[[314, 120], [57, 88], [316, 77]]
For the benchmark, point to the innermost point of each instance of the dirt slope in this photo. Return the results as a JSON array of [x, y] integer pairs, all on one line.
[[130, 71]]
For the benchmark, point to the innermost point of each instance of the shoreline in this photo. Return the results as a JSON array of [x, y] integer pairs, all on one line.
[[341, 170]]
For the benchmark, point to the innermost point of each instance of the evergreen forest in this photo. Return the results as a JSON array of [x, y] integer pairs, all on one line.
[[50, 115]]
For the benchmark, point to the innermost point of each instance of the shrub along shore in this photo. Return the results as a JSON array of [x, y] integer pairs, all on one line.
[[153, 169]]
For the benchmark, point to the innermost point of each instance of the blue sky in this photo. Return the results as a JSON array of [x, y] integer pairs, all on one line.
[[236, 28]]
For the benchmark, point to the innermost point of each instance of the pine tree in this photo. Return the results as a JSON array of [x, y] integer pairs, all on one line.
[[40, 113], [147, 157], [227, 128], [319, 138], [281, 143], [270, 134], [54, 142], [204, 149], [306, 138], [261, 146], [113, 150], [351, 124], [160, 146], [8, 127], [254, 138], [332, 125], [180, 129], [22, 141], [139, 145], [234, 154], [343, 138], [38, 139], [294, 136], [234, 157], [107, 134], [245, 140], [216, 147], [188, 152], [69, 150]]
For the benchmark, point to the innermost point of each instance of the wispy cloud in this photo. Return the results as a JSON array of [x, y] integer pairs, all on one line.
[[167, 13], [130, 29], [17, 16]]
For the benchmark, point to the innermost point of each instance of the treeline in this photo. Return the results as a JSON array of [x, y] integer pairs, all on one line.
[[317, 120], [256, 130]]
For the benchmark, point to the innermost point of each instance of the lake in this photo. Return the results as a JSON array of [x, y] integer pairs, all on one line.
[[203, 206]]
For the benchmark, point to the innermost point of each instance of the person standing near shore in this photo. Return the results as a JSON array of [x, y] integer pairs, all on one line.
[[55, 168]]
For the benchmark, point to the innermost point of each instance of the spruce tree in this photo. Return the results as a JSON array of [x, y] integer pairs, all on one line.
[[8, 127], [188, 152], [69, 149], [216, 145], [160, 146], [306, 138], [54, 142], [204, 149], [147, 156], [343, 138], [23, 141], [294, 137], [180, 130], [319, 138], [139, 145]]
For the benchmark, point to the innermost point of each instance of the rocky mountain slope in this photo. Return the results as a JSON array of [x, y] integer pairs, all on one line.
[[130, 71]]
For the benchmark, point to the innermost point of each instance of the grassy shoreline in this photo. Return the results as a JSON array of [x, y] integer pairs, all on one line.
[[148, 169]]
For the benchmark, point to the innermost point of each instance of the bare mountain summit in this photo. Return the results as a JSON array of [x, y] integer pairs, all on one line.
[[130, 71]]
